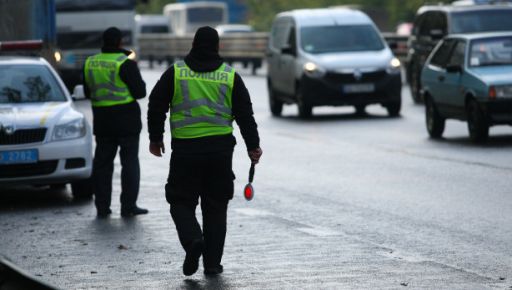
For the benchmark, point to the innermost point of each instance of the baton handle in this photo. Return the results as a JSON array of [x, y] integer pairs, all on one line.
[[251, 172]]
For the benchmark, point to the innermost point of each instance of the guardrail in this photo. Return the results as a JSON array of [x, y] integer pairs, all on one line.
[[237, 47]]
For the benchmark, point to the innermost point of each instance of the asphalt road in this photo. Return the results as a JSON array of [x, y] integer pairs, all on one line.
[[342, 202]]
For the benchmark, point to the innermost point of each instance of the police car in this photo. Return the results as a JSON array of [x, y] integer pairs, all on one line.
[[44, 140]]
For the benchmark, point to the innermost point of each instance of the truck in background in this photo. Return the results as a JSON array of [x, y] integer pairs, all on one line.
[[28, 22], [80, 25], [243, 47]]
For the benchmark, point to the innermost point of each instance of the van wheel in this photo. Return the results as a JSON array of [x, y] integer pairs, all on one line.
[[393, 108], [478, 126], [276, 106], [82, 189], [305, 110], [58, 186], [360, 110], [435, 123]]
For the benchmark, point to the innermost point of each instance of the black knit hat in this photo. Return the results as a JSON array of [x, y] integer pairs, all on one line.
[[206, 38], [204, 55], [112, 37]]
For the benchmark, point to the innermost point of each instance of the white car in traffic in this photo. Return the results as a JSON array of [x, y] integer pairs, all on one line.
[[44, 140]]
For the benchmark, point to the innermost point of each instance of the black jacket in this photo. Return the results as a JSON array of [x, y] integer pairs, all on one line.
[[120, 120], [161, 97]]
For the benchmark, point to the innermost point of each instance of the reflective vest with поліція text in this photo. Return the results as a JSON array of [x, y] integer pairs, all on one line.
[[102, 77], [201, 104]]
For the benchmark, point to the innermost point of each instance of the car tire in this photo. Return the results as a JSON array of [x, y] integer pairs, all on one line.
[[360, 110], [394, 108], [58, 186], [478, 125], [435, 123], [276, 106], [82, 189], [415, 83], [305, 110]]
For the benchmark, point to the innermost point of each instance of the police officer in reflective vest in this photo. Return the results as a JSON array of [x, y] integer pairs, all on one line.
[[204, 96], [113, 83]]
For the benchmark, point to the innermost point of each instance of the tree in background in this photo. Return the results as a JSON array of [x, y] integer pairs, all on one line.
[[152, 6], [262, 12]]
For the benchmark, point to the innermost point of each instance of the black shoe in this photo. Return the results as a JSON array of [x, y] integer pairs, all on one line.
[[104, 213], [191, 262], [211, 271], [133, 211]]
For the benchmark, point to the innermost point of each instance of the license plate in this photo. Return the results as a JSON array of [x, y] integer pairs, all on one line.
[[18, 156], [359, 88]]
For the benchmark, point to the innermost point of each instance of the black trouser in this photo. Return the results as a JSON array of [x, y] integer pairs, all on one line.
[[210, 177], [103, 168]]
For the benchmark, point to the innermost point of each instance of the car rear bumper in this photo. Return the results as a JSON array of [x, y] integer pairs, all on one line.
[[58, 162], [328, 90]]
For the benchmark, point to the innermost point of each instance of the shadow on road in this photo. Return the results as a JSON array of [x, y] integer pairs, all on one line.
[[497, 141], [23, 198], [338, 117], [217, 282]]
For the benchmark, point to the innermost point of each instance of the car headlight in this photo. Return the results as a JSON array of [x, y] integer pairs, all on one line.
[[500, 92], [69, 130], [313, 70], [394, 66]]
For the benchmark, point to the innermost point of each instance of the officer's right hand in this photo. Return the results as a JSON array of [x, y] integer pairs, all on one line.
[[157, 148], [255, 155]]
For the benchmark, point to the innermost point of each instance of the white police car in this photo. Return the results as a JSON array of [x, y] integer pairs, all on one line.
[[44, 140]]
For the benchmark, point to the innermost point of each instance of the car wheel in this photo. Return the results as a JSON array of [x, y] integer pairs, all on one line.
[[305, 110], [276, 106], [360, 110], [82, 189], [477, 123], [393, 108], [435, 123], [415, 84]]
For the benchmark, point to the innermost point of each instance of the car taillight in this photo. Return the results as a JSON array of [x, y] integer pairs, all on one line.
[[21, 45], [492, 93]]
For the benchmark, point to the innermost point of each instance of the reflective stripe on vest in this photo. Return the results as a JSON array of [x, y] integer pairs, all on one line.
[[201, 105], [102, 77]]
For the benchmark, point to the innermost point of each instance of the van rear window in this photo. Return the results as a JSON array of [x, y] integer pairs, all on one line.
[[340, 38]]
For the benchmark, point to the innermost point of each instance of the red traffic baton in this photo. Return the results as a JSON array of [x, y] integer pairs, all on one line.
[[248, 189]]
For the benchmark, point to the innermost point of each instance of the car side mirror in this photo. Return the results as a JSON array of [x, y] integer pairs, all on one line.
[[287, 50], [78, 93], [454, 68]]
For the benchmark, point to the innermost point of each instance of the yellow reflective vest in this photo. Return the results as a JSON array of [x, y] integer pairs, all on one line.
[[102, 77], [202, 102]]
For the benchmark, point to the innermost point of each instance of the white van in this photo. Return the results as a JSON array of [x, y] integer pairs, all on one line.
[[186, 18], [334, 57]]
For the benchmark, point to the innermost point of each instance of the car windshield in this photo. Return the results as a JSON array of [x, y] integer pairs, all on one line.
[[340, 38], [491, 51], [28, 84], [481, 21]]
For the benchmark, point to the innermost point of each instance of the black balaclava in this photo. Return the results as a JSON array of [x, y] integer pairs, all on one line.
[[204, 55]]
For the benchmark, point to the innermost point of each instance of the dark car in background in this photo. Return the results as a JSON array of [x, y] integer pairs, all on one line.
[[432, 23]]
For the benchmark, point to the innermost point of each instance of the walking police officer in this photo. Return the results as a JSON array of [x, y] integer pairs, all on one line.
[[204, 96], [113, 83]]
